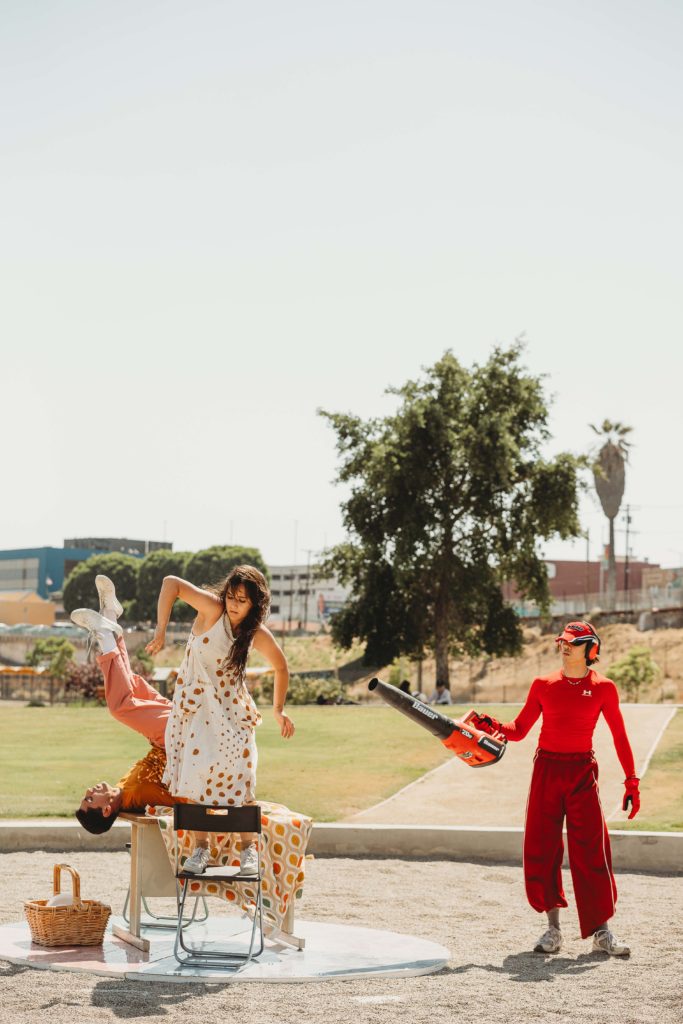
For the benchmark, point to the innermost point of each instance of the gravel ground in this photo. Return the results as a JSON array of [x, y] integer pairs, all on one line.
[[478, 912]]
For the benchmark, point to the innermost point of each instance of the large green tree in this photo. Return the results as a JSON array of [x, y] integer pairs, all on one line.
[[80, 590], [214, 563], [609, 474], [153, 568], [449, 497]]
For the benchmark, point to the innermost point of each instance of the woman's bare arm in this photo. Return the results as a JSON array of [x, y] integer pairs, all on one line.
[[207, 605], [266, 644]]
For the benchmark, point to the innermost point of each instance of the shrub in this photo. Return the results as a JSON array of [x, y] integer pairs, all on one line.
[[83, 681], [301, 691], [53, 652], [142, 663], [636, 670]]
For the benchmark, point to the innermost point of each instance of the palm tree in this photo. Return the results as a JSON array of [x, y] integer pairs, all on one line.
[[609, 474]]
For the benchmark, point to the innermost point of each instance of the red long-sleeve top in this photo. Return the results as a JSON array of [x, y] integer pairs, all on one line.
[[570, 710]]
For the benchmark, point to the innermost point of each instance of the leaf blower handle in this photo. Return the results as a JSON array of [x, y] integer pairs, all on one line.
[[485, 722], [472, 745]]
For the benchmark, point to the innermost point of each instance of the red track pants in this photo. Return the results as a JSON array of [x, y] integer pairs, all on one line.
[[566, 785]]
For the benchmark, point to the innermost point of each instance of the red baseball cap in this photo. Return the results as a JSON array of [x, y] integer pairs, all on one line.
[[577, 633]]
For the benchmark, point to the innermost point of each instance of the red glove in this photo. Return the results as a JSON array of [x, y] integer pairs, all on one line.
[[486, 723], [631, 796]]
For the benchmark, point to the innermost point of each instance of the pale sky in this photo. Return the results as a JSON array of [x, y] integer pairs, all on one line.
[[218, 217]]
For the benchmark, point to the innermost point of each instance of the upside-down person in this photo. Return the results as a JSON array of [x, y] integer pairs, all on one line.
[[134, 702], [564, 783]]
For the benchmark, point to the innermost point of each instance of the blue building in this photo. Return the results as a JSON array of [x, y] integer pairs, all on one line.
[[43, 570]]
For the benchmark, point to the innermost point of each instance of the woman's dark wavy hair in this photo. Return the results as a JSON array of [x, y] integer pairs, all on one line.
[[94, 821], [258, 592]]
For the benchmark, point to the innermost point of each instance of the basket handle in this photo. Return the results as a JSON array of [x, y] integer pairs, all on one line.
[[75, 881]]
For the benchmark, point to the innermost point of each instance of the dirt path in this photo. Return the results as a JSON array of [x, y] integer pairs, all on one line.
[[478, 912], [455, 795]]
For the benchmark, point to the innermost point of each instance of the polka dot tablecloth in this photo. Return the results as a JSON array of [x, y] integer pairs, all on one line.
[[283, 847]]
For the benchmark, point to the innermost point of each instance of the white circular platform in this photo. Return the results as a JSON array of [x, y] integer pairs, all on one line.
[[333, 952]]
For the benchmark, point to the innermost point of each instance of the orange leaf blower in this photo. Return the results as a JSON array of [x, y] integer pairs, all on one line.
[[461, 736]]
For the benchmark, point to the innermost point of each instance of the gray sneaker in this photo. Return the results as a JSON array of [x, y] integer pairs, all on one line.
[[198, 862], [91, 620], [249, 860], [107, 594], [550, 942], [605, 941]]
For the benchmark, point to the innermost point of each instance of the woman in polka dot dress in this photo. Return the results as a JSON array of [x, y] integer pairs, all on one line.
[[210, 742]]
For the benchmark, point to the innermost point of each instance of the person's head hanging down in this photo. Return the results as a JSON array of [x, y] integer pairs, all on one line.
[[100, 807]]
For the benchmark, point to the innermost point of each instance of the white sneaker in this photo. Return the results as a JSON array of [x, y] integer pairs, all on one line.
[[550, 942], [604, 941], [107, 595], [94, 622], [249, 860], [198, 862]]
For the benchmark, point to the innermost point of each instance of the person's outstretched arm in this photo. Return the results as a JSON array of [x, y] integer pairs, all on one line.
[[615, 721], [518, 728], [208, 606], [266, 644]]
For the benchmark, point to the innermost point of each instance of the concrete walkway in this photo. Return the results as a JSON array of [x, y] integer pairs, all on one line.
[[454, 794]]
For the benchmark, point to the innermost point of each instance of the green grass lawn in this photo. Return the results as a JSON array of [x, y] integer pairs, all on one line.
[[662, 788], [342, 760]]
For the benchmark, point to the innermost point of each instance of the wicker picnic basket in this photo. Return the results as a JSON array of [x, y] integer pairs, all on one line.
[[80, 924]]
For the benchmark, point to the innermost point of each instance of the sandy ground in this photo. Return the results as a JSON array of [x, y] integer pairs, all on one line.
[[454, 794], [478, 912]]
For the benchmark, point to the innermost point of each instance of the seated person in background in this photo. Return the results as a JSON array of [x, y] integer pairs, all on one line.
[[418, 695], [441, 695]]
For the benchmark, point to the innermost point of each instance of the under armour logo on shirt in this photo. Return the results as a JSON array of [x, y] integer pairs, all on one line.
[[586, 693]]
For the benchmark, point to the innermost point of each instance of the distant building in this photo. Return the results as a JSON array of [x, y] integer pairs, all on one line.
[[569, 578], [123, 545], [576, 579], [577, 587], [664, 586], [43, 570], [297, 596], [25, 606]]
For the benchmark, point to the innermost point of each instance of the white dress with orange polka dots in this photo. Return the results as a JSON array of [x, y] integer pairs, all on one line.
[[210, 742]]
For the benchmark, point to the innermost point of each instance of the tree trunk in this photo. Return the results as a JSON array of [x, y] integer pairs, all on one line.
[[611, 570], [441, 638], [441, 657]]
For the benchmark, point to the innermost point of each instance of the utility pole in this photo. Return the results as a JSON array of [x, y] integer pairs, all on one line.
[[626, 564], [309, 552], [587, 579], [291, 593]]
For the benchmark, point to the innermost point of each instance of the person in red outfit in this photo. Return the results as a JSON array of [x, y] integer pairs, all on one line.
[[564, 785]]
